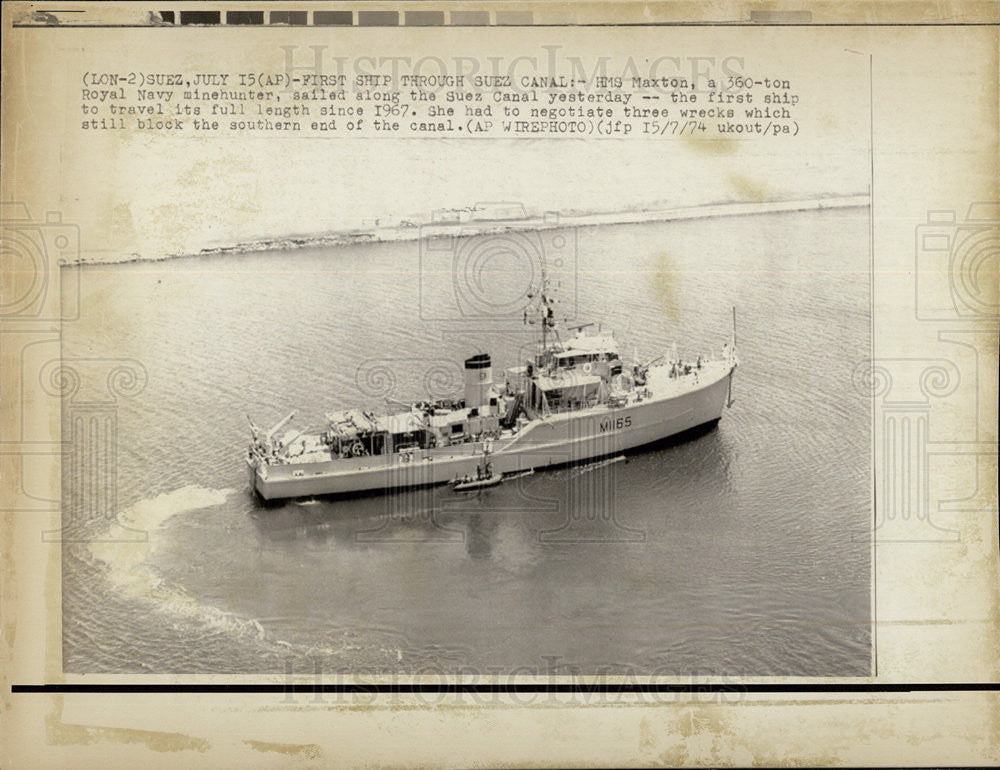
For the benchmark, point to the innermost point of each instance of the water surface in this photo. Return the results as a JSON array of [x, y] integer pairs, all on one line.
[[742, 551]]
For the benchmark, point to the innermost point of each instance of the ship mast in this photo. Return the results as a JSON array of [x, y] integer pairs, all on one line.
[[540, 305], [732, 360]]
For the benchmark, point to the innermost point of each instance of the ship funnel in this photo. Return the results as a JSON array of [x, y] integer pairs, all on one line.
[[478, 381]]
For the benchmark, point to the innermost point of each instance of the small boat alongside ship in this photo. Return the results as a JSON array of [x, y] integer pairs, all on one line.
[[474, 484], [574, 400], [484, 477]]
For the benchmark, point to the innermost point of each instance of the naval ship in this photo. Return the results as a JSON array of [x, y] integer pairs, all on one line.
[[575, 399]]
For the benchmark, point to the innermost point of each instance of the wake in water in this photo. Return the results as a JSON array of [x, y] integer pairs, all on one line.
[[126, 561], [131, 538], [125, 556], [594, 466]]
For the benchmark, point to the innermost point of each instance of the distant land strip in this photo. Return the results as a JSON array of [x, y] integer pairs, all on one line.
[[485, 219]]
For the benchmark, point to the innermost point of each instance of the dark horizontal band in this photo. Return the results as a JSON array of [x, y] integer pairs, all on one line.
[[481, 361], [582, 687]]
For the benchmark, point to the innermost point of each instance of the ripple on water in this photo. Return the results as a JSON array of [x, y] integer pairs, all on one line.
[[740, 551]]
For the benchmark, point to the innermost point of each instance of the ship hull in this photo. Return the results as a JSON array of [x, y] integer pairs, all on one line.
[[557, 440]]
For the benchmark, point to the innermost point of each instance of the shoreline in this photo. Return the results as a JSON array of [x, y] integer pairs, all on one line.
[[486, 219]]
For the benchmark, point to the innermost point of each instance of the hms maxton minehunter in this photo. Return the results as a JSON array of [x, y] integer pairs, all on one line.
[[574, 400]]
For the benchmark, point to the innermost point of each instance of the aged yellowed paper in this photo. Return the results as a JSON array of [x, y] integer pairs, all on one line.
[[385, 381]]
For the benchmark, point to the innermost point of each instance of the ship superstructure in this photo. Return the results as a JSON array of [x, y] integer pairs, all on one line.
[[573, 400]]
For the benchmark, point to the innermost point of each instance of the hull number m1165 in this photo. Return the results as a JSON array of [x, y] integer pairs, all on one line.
[[616, 423]]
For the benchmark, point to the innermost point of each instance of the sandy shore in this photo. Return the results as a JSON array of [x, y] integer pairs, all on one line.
[[497, 218]]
